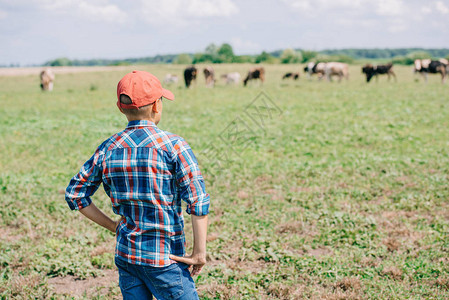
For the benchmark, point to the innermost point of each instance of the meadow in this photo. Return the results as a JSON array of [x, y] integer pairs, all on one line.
[[336, 191]]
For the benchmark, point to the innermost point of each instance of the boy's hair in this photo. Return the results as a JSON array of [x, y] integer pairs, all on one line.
[[141, 111]]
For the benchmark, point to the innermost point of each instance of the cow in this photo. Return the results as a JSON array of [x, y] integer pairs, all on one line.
[[315, 68], [47, 78], [190, 75], [171, 79], [231, 78], [336, 68], [294, 76], [426, 66], [255, 73], [209, 74], [446, 63], [370, 71]]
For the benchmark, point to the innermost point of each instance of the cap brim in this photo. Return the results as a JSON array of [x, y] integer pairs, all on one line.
[[168, 95]]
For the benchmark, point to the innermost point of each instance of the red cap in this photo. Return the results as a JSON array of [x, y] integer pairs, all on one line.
[[143, 88]]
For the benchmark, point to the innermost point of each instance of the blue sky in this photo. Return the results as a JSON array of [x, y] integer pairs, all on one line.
[[35, 31]]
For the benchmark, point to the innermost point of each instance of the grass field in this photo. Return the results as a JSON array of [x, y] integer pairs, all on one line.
[[340, 193]]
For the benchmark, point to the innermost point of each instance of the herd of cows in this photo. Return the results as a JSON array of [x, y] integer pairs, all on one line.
[[321, 69]]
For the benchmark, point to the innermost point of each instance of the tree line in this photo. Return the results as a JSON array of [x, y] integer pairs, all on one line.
[[225, 54]]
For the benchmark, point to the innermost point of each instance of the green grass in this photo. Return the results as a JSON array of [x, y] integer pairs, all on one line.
[[343, 195]]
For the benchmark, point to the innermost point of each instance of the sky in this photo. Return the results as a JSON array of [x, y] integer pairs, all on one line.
[[36, 31]]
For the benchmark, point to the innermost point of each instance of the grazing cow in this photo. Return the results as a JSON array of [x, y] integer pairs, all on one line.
[[171, 79], [190, 75], [209, 74], [336, 68], [372, 71], [295, 76], [47, 77], [315, 68], [255, 73], [426, 66], [231, 78]]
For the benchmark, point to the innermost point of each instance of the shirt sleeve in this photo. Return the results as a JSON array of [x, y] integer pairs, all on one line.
[[190, 180], [84, 184]]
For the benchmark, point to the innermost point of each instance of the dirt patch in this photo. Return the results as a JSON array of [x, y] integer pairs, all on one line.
[[393, 272], [319, 252], [220, 291], [8, 234], [285, 291], [73, 286], [276, 195], [392, 244], [347, 284], [290, 227], [308, 189], [242, 195], [211, 236]]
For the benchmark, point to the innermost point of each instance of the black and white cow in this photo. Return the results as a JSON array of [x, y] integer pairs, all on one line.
[[373, 71], [315, 68], [426, 66]]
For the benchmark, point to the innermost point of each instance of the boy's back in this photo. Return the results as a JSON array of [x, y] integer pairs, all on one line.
[[146, 172]]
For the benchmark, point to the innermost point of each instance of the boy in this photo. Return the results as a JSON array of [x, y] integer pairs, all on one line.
[[147, 172]]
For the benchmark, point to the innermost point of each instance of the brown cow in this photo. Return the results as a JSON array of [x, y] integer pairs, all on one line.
[[336, 68], [47, 77], [209, 74], [255, 73]]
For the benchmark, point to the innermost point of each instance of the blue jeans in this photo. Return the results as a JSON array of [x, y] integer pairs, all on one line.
[[142, 282]]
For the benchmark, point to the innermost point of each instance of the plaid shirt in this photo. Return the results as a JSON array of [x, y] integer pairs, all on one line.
[[146, 172]]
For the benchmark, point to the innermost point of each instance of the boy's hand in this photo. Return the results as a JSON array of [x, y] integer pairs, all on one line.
[[195, 260], [117, 223]]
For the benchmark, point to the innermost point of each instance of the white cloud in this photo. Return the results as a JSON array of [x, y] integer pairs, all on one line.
[[426, 10], [96, 10], [109, 12], [397, 26], [3, 14], [180, 11], [442, 8], [216, 8], [313, 5], [390, 7]]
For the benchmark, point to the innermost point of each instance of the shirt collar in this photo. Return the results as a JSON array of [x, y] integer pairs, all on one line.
[[140, 123]]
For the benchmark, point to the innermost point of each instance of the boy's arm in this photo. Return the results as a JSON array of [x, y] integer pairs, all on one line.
[[193, 192], [198, 257], [95, 214]]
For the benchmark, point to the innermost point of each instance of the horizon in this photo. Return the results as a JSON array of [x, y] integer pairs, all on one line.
[[193, 53], [38, 31]]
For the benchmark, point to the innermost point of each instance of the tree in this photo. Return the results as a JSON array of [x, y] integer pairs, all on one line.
[[225, 53], [211, 49], [263, 57], [183, 59], [308, 55], [62, 61], [290, 56]]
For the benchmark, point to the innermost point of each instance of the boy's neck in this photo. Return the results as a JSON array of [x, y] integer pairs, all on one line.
[[139, 119]]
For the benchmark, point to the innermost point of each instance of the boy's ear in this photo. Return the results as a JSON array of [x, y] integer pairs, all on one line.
[[154, 108]]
